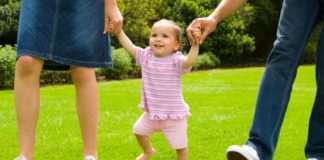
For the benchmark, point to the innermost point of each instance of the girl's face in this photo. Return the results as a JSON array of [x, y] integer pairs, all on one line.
[[163, 40]]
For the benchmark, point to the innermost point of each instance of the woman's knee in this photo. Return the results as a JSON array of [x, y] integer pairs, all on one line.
[[82, 74], [28, 65]]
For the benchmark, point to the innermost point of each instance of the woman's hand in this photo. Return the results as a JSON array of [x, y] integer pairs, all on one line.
[[113, 18]]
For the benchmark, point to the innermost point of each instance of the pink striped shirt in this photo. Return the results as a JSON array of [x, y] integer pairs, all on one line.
[[161, 85]]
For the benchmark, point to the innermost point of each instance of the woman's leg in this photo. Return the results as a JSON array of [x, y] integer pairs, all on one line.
[[145, 144], [87, 101], [26, 90], [182, 154]]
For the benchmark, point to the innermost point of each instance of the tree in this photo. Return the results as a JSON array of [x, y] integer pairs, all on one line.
[[230, 39], [264, 27]]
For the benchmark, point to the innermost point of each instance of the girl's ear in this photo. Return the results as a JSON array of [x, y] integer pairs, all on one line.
[[177, 46]]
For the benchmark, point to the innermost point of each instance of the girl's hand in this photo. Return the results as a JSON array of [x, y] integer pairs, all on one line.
[[196, 34], [113, 18]]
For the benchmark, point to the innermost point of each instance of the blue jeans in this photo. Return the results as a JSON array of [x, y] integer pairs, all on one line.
[[297, 21]]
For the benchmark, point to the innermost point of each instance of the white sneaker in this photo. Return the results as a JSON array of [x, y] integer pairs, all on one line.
[[244, 152], [89, 157], [20, 158], [312, 159]]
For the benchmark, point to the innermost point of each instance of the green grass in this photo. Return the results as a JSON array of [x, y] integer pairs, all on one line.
[[222, 105]]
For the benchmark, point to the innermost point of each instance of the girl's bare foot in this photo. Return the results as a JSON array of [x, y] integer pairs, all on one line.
[[146, 155]]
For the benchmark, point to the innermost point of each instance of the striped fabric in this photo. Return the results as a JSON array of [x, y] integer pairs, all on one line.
[[161, 85]]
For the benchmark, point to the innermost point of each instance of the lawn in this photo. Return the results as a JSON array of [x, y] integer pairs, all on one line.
[[221, 102]]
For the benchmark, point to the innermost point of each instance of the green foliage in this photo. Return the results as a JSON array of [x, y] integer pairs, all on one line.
[[7, 66], [264, 26], [231, 36], [55, 77], [311, 48], [122, 63], [230, 39], [9, 15], [139, 15], [206, 60]]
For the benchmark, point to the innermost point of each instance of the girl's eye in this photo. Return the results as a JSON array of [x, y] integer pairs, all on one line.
[[153, 35], [165, 36]]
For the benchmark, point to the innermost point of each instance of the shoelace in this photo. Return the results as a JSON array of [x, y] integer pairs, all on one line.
[[252, 151]]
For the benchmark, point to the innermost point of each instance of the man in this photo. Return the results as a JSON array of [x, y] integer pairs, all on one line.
[[297, 21]]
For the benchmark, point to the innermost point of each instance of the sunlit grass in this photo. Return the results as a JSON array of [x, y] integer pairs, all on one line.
[[221, 103]]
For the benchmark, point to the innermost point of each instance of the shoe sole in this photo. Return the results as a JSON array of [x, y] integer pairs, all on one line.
[[232, 155]]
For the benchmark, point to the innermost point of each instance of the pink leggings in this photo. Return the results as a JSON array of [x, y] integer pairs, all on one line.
[[175, 131]]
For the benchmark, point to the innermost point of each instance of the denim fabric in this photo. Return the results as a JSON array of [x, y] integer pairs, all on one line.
[[297, 21], [68, 32]]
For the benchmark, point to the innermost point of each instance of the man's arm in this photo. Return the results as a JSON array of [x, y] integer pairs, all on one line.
[[208, 24], [225, 8]]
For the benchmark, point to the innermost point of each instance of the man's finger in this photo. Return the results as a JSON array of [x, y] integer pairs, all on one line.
[[192, 26], [190, 36], [204, 36]]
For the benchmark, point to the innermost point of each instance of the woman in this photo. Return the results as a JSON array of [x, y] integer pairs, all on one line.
[[60, 35]]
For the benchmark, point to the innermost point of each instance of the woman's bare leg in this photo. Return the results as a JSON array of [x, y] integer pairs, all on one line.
[[26, 90], [87, 101]]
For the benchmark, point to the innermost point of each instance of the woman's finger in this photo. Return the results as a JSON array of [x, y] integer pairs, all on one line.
[[106, 28]]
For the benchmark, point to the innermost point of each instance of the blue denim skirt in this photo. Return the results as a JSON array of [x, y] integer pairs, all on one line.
[[64, 33]]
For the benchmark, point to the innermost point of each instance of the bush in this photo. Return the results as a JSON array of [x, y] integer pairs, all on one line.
[[122, 65], [55, 77], [9, 15], [206, 60], [311, 49], [7, 66]]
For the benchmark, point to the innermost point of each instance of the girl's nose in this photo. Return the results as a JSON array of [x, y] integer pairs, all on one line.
[[158, 38]]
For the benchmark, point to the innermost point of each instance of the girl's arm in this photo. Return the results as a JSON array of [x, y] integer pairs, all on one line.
[[192, 56], [126, 43]]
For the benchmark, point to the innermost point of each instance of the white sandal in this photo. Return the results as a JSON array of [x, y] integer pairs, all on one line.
[[89, 157], [20, 158]]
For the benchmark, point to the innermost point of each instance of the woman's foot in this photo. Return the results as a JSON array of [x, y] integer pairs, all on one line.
[[21, 158], [146, 155], [89, 157]]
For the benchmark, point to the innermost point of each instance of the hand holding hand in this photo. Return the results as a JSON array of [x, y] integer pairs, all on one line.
[[207, 25], [196, 34]]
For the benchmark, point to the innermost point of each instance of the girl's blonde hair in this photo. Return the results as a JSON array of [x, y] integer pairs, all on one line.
[[177, 29]]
